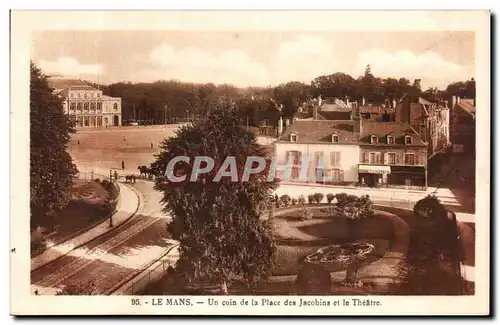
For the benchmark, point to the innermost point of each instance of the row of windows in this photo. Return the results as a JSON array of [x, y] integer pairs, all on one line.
[[391, 158], [91, 121], [388, 158], [85, 95], [91, 105], [374, 139]]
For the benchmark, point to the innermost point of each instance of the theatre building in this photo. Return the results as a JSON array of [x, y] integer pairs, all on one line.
[[392, 154], [86, 105]]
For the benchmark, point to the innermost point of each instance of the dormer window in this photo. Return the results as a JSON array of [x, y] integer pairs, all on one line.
[[335, 138], [294, 137], [374, 139], [390, 139], [408, 139]]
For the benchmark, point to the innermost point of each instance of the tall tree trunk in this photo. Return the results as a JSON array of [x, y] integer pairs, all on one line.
[[352, 272]]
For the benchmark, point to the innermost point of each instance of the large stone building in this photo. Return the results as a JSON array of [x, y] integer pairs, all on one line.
[[86, 105]]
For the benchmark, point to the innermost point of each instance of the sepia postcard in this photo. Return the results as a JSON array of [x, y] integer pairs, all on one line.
[[250, 163]]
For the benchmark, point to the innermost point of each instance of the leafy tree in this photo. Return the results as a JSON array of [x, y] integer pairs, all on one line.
[[220, 225], [433, 217], [51, 166], [301, 200], [353, 208], [330, 197], [286, 200], [291, 95], [318, 197]]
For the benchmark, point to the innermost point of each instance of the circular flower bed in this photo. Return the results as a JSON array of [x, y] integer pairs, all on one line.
[[338, 257]]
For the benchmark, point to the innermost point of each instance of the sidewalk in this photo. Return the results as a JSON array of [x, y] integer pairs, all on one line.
[[130, 201]]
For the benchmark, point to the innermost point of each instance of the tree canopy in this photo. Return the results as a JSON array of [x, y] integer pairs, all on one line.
[[51, 166], [221, 225], [173, 101]]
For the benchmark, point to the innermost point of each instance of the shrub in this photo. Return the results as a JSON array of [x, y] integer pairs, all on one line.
[[310, 199], [37, 238], [330, 197], [277, 202], [305, 214], [429, 208], [318, 197], [285, 199], [353, 207], [301, 200], [294, 201]]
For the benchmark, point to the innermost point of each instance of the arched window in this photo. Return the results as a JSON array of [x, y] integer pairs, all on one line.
[[79, 106], [99, 121], [73, 106], [115, 106], [92, 106], [99, 106], [86, 106]]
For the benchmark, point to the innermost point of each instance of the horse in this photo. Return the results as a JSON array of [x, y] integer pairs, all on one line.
[[130, 178], [143, 170]]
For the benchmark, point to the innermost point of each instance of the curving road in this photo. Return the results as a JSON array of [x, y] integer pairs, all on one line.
[[109, 259]]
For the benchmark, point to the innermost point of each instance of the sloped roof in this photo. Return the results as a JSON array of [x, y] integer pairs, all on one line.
[[60, 84], [468, 106], [335, 115], [375, 109], [321, 132], [382, 129]]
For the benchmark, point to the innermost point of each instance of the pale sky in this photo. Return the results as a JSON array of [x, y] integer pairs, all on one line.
[[254, 58]]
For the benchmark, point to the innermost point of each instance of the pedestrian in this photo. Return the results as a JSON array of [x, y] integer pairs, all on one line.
[[124, 139], [78, 141], [123, 165], [116, 176], [151, 145]]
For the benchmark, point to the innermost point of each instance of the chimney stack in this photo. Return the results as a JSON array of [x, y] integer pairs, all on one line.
[[280, 127]]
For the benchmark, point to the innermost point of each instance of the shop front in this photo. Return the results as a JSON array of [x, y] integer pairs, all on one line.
[[408, 177], [373, 175]]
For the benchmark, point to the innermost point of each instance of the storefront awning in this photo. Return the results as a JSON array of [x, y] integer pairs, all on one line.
[[374, 169], [407, 169]]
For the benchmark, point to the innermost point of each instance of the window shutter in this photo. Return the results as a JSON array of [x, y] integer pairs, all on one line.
[[385, 158], [423, 159], [337, 158], [366, 158], [378, 157], [297, 157], [417, 156], [397, 158], [288, 153]]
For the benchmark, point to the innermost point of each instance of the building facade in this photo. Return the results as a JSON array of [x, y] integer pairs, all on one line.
[[392, 154], [330, 145], [430, 120], [356, 152], [86, 105], [463, 125]]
